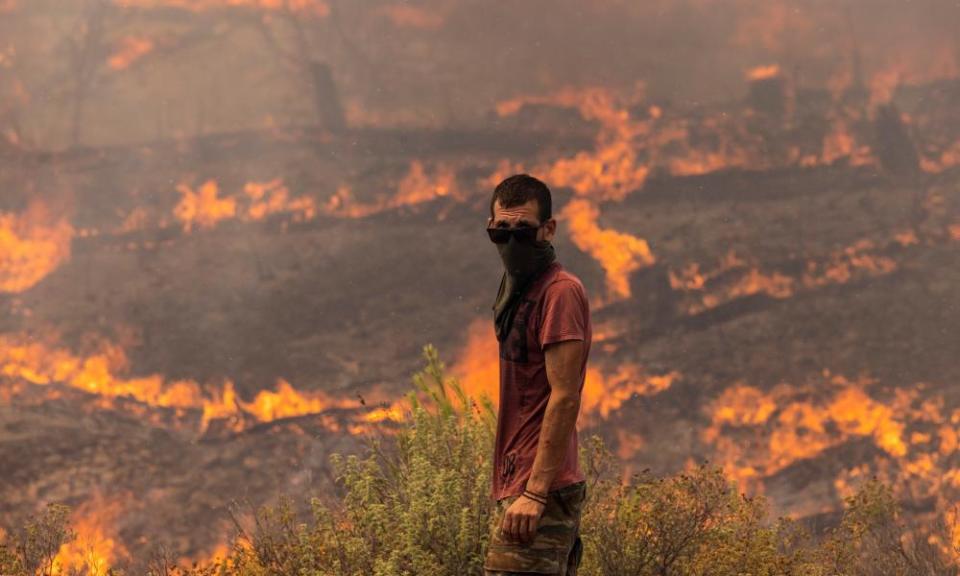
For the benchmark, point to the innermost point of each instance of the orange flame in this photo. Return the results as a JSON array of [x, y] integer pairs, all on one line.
[[752, 282], [619, 254], [840, 143], [273, 197], [763, 72], [947, 158], [32, 245], [416, 187], [287, 402], [316, 8], [478, 369], [216, 555], [613, 169], [203, 208], [96, 548], [99, 374], [410, 16], [758, 433], [841, 266], [478, 363], [628, 148], [605, 393], [129, 50]]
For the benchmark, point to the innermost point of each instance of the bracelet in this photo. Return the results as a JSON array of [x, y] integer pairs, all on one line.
[[535, 497], [539, 495]]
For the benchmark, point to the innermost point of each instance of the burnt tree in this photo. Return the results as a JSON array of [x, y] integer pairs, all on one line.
[[306, 67], [86, 50], [894, 147]]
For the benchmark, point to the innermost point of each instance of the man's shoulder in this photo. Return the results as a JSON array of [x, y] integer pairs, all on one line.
[[561, 279]]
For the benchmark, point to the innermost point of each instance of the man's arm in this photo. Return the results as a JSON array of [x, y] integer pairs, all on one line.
[[563, 361]]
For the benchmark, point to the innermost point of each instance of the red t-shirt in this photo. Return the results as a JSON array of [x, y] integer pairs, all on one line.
[[553, 309]]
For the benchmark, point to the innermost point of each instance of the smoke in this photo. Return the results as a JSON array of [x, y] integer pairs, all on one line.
[[99, 72]]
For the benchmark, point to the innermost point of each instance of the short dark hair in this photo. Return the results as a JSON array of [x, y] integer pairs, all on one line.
[[519, 189]]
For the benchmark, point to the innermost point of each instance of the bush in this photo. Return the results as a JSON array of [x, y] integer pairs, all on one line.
[[420, 506], [33, 550], [873, 540], [423, 508], [690, 523]]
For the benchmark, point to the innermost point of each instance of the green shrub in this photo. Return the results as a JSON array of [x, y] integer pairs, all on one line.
[[873, 540], [419, 506], [417, 503], [690, 523], [422, 508], [33, 549]]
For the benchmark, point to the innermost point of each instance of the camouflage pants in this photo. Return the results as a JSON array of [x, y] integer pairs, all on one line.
[[556, 548]]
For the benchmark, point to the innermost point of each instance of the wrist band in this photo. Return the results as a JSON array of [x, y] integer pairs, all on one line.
[[535, 497], [529, 491]]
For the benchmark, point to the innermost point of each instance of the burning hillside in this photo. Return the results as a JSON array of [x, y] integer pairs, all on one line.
[[204, 310]]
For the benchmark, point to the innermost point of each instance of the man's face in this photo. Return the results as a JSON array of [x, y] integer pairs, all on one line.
[[524, 215]]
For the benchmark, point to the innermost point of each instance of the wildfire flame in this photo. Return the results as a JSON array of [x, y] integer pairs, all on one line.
[[947, 158], [609, 172], [629, 147], [316, 8], [273, 197], [410, 16], [757, 433], [842, 265], [203, 208], [416, 187], [857, 260], [217, 555], [840, 143], [100, 374], [606, 393], [478, 369], [129, 49], [613, 169], [478, 363], [32, 245], [763, 72], [619, 254], [96, 547]]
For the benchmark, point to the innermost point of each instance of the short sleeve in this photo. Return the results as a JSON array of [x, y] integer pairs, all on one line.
[[565, 313]]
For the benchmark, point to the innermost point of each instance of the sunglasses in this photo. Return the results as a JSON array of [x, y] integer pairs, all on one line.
[[522, 234]]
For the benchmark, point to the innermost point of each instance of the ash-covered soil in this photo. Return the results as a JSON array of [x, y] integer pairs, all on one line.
[[808, 274]]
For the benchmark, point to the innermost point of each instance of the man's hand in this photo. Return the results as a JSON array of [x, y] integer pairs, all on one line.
[[521, 519]]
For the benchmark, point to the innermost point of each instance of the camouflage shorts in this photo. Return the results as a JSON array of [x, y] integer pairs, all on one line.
[[556, 548]]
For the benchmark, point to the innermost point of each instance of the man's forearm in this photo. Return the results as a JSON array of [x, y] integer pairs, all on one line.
[[559, 421]]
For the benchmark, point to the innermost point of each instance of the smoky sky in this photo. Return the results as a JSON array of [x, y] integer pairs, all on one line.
[[433, 63]]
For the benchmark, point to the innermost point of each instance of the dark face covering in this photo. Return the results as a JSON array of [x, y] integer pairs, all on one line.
[[522, 264]]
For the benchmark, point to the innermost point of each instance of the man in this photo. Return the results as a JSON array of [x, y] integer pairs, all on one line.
[[542, 323]]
